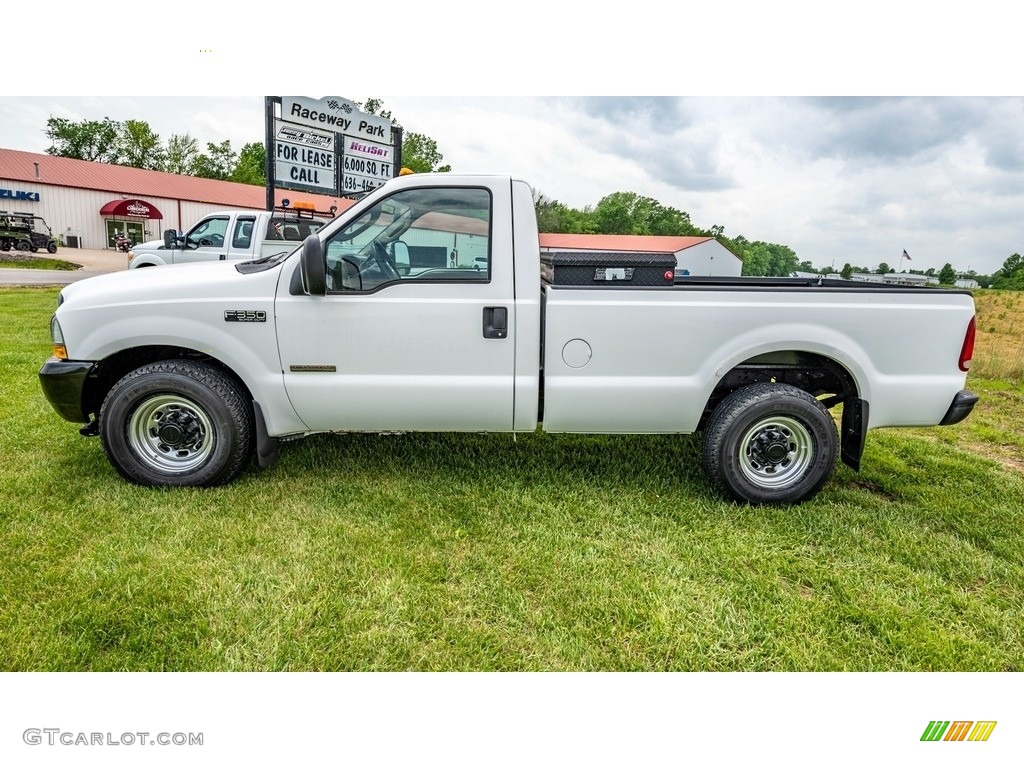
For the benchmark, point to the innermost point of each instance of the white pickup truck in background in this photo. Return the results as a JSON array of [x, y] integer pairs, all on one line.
[[423, 308], [232, 236]]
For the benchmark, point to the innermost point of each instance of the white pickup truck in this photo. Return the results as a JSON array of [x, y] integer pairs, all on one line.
[[423, 307], [230, 236]]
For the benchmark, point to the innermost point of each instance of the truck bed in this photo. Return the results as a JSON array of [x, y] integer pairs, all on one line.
[[647, 359]]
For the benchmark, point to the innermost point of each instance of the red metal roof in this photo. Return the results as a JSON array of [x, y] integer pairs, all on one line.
[[136, 182], [638, 243]]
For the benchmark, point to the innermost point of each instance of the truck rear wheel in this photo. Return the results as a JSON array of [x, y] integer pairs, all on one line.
[[770, 444], [177, 423]]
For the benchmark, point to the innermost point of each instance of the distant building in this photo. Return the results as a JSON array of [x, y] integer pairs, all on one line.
[[967, 283], [694, 255]]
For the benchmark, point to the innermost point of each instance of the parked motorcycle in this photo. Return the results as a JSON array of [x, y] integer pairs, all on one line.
[[123, 243]]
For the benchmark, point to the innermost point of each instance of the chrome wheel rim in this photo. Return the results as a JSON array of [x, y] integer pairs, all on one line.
[[775, 452], [171, 433]]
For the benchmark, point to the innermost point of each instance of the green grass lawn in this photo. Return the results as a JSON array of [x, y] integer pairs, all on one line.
[[472, 552], [24, 261]]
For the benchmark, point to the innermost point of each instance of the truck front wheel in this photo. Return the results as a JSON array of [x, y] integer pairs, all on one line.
[[177, 423], [770, 444]]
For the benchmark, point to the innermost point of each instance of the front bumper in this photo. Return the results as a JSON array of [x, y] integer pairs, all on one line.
[[63, 383], [961, 407]]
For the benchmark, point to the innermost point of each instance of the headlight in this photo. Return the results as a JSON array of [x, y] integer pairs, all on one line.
[[131, 255], [59, 350]]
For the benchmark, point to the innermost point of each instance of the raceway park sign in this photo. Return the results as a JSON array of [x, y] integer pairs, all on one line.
[[330, 146], [335, 114]]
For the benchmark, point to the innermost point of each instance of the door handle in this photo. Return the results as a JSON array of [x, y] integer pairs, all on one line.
[[495, 322]]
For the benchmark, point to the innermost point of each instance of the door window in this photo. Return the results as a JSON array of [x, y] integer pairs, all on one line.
[[429, 235], [242, 238], [209, 232]]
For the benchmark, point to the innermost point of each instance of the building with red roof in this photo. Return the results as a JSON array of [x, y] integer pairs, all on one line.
[[86, 203], [694, 255]]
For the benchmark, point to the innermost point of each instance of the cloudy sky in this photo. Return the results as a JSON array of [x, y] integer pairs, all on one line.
[[840, 179]]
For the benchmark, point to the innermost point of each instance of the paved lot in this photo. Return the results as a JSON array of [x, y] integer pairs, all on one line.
[[94, 262]]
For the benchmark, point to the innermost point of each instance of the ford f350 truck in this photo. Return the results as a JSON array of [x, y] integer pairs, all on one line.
[[423, 308]]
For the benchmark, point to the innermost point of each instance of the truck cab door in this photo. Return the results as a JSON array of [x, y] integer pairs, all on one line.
[[206, 241], [432, 349]]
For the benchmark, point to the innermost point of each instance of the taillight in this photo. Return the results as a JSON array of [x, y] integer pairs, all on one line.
[[967, 351]]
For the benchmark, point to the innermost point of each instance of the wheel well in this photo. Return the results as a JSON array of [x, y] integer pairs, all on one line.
[[819, 376], [109, 371]]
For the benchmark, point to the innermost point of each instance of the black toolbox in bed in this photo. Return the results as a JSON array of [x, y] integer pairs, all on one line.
[[576, 268]]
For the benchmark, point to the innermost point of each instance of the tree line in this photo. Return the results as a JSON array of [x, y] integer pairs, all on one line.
[[627, 213], [133, 143]]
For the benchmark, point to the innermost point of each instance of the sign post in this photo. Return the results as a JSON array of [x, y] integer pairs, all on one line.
[[328, 146]]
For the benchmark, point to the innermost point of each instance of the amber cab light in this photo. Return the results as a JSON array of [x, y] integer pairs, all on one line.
[[967, 351]]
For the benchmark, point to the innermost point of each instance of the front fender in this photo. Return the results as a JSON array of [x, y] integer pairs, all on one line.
[[147, 260]]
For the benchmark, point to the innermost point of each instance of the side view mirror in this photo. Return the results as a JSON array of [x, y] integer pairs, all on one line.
[[170, 239], [313, 267]]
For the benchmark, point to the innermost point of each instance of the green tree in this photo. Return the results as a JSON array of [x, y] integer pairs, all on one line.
[[140, 147], [847, 272], [182, 154], [947, 275], [883, 269], [420, 153], [217, 162], [627, 213], [252, 165], [556, 217], [757, 260], [92, 140], [1011, 275]]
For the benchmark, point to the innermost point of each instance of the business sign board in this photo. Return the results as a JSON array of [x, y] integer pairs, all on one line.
[[305, 159], [366, 164], [329, 146], [335, 114], [302, 135]]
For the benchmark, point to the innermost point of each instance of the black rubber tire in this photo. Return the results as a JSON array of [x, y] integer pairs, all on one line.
[[757, 420], [51, 247], [200, 406]]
